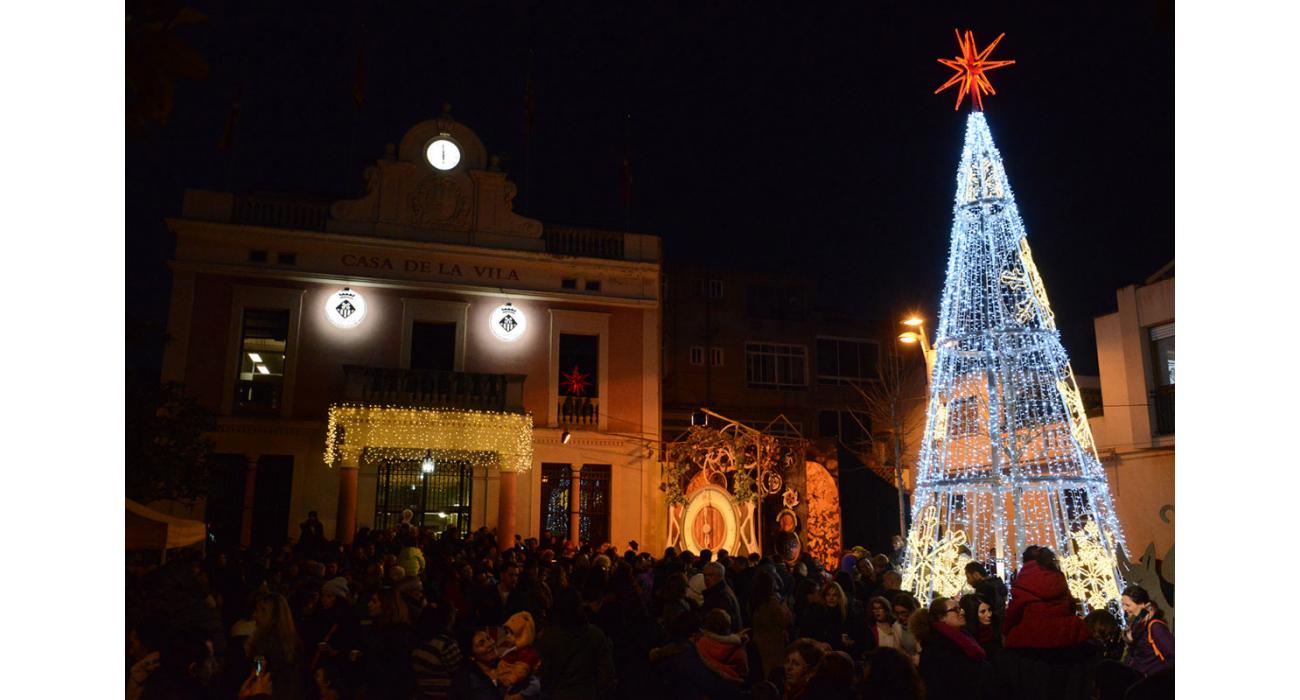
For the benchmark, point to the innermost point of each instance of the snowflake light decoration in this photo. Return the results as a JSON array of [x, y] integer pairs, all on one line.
[[1090, 570], [934, 565], [575, 382]]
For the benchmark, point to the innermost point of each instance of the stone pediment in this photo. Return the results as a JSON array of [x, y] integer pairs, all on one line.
[[408, 198]]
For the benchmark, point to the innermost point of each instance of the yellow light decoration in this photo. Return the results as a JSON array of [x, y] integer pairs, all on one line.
[[934, 567], [502, 441], [1079, 426], [1040, 292], [1090, 570]]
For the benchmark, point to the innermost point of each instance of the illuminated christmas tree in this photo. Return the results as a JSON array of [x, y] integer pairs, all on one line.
[[1007, 459]]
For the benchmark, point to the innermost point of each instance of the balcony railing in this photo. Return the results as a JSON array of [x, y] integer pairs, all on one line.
[[578, 410], [1163, 401], [280, 212], [588, 243], [434, 389]]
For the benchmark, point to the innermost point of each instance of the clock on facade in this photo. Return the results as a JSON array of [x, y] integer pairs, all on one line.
[[442, 153]]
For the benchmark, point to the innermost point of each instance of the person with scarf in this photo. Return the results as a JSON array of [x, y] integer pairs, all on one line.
[[979, 623], [953, 665]]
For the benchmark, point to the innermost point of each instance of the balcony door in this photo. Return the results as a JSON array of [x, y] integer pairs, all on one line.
[[433, 346]]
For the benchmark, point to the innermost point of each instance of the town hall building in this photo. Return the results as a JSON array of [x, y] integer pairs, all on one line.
[[422, 348]]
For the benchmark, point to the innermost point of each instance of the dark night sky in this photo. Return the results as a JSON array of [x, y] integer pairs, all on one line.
[[781, 139]]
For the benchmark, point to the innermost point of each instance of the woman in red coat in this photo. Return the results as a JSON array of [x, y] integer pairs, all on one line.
[[1047, 651], [1042, 613]]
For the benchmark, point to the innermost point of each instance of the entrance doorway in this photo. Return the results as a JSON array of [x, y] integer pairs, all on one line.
[[438, 500]]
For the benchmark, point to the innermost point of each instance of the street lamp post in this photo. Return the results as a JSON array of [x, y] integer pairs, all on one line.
[[917, 335]]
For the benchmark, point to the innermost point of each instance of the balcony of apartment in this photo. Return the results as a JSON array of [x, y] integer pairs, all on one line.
[[581, 411], [1162, 401], [433, 389]]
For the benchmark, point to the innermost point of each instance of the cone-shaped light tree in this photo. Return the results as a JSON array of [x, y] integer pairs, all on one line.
[[1007, 459]]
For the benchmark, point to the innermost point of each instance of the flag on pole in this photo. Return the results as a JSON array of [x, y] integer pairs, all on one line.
[[228, 134]]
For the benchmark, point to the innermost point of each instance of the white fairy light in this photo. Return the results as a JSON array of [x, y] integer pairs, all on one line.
[[1007, 459]]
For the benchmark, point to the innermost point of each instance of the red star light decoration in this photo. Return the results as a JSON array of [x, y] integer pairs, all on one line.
[[575, 382], [972, 67]]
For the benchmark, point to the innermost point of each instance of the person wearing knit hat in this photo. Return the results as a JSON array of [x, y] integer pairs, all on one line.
[[337, 587]]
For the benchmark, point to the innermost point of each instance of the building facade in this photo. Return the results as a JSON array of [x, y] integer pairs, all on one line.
[[422, 347], [1135, 431], [765, 351]]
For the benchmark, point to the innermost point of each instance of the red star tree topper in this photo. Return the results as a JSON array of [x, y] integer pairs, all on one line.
[[972, 67]]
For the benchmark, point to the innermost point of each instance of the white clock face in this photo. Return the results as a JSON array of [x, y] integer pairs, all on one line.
[[443, 154]]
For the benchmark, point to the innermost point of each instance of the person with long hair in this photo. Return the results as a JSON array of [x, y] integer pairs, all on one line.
[[979, 622], [827, 619], [276, 641], [887, 630], [890, 675], [1149, 639], [904, 606], [953, 665], [388, 643]]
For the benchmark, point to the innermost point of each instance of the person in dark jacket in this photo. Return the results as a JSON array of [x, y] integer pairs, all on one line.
[[979, 623], [889, 674], [990, 588], [717, 594], [953, 665], [680, 671], [474, 680], [387, 647], [577, 658], [1150, 642]]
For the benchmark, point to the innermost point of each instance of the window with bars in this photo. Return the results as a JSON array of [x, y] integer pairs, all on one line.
[[437, 499], [776, 365], [593, 504], [557, 480]]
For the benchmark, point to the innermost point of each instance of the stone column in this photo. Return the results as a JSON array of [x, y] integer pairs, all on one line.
[[345, 523], [250, 492], [574, 491], [507, 485]]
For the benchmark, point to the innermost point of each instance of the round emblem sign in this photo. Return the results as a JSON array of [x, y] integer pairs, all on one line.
[[508, 323], [345, 308]]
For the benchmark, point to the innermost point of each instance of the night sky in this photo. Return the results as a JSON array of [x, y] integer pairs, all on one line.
[[803, 139]]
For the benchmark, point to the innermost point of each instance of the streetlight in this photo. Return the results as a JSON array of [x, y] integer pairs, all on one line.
[[427, 466], [918, 336]]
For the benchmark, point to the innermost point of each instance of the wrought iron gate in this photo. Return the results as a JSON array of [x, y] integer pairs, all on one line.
[[438, 500]]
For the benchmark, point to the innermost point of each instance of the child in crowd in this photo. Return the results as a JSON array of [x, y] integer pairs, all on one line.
[[517, 670], [720, 650]]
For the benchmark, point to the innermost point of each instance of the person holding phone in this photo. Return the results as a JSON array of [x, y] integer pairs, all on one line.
[[1149, 639]]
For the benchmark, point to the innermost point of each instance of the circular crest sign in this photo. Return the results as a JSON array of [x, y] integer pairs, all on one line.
[[345, 308], [508, 323]]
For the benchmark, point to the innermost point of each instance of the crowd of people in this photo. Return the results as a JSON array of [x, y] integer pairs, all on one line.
[[405, 613]]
